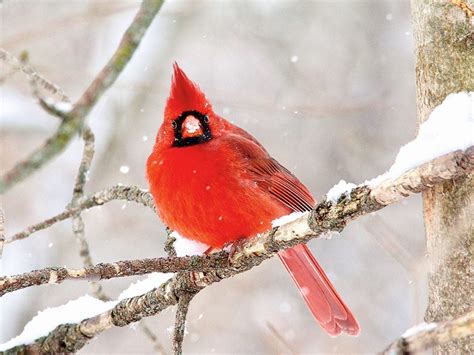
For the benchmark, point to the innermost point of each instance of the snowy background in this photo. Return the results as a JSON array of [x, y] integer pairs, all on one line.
[[326, 86]]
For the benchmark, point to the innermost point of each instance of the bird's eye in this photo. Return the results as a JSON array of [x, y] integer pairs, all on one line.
[[206, 119], [174, 124]]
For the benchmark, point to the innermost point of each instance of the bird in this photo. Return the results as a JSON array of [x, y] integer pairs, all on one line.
[[214, 183]]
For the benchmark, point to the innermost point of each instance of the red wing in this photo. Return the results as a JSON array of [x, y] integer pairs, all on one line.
[[270, 175]]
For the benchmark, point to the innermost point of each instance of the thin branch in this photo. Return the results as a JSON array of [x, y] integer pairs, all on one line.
[[105, 271], [77, 221], [180, 322], [118, 192], [169, 244], [87, 156], [74, 119], [430, 335], [36, 79]]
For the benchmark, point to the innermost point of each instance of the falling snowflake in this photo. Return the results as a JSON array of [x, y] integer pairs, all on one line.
[[124, 169]]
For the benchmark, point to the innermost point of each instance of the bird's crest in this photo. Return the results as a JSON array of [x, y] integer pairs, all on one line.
[[185, 95]]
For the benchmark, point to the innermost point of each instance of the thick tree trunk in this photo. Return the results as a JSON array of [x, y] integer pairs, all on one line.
[[444, 39]]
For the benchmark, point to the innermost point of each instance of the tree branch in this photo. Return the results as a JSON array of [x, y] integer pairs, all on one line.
[[327, 216], [118, 192], [432, 334], [180, 322], [36, 79], [104, 271], [74, 119]]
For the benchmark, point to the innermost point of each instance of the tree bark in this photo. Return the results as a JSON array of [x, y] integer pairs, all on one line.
[[444, 40]]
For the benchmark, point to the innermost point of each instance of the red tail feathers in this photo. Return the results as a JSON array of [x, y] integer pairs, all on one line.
[[320, 296]]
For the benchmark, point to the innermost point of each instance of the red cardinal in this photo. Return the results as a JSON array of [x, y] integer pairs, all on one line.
[[214, 183]]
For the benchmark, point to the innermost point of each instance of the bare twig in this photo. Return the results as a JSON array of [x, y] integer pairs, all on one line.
[[74, 119], [104, 271], [77, 221], [35, 78], [432, 334], [180, 322], [87, 156], [169, 244], [118, 192]]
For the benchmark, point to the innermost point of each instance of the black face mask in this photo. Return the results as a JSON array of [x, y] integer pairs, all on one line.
[[177, 123]]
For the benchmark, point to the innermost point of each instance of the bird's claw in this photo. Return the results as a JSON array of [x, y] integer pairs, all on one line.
[[235, 248]]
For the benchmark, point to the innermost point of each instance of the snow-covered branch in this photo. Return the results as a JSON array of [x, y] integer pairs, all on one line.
[[425, 336], [73, 118], [327, 216]]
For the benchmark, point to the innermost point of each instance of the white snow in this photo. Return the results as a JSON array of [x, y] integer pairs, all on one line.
[[342, 187], [140, 287], [284, 307], [48, 319], [418, 328], [184, 246], [450, 127], [286, 219], [77, 310], [294, 58], [124, 169], [63, 106]]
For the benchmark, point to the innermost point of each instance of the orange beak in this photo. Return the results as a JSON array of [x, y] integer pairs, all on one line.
[[191, 127]]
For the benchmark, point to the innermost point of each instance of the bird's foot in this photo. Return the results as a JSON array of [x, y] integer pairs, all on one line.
[[235, 248]]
